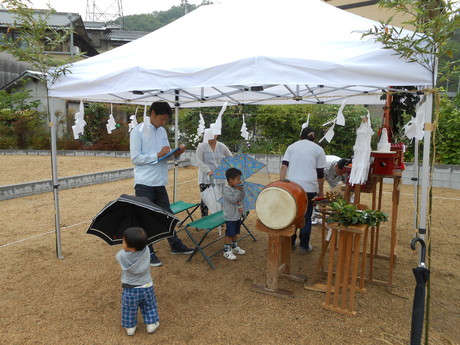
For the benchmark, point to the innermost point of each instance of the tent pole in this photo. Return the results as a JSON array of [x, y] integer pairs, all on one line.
[[416, 180], [57, 217], [176, 142], [425, 169]]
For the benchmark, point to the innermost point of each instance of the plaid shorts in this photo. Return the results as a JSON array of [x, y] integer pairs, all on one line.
[[138, 298]]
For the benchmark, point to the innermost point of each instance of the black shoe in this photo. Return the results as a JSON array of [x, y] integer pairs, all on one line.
[[154, 261], [181, 249]]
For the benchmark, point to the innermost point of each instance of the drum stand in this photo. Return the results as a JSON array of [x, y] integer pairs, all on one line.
[[278, 261]]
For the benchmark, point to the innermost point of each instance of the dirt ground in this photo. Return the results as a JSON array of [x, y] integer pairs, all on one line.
[[76, 300]]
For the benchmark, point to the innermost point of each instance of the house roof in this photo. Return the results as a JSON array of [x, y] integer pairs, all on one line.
[[23, 75], [123, 35], [100, 26], [58, 20]]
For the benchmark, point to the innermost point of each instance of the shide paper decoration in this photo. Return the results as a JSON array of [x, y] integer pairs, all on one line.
[[80, 123]]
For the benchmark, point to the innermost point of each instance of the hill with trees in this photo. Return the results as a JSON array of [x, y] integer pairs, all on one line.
[[155, 20]]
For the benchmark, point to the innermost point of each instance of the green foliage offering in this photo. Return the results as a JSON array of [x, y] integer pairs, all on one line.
[[448, 136], [433, 23], [348, 214], [448, 64]]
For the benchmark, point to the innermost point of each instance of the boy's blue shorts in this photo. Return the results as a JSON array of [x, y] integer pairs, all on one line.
[[232, 228]]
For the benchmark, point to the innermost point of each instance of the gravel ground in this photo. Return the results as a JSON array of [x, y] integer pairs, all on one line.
[[76, 300]]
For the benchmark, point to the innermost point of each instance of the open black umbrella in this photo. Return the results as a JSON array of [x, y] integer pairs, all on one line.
[[128, 211], [422, 275]]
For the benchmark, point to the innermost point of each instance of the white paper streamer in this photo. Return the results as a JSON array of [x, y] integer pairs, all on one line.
[[146, 118], [340, 119], [133, 122], [329, 134], [80, 123], [414, 128], [305, 124], [244, 130], [216, 127], [111, 124], [207, 135], [201, 126]]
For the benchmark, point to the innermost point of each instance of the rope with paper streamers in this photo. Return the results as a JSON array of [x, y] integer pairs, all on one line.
[[235, 101]]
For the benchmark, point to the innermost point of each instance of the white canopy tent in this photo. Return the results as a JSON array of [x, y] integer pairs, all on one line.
[[251, 51], [245, 52]]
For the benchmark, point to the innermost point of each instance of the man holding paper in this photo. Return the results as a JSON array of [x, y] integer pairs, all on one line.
[[149, 146]]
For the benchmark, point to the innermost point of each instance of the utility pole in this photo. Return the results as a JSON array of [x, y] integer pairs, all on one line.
[[184, 5]]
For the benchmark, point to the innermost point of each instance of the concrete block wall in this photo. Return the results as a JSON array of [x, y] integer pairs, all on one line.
[[45, 186], [90, 153], [447, 176]]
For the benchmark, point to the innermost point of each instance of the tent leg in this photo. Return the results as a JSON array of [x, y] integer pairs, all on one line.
[[57, 220], [176, 144], [416, 180], [425, 170]]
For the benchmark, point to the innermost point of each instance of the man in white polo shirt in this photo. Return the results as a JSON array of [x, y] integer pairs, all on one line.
[[304, 163]]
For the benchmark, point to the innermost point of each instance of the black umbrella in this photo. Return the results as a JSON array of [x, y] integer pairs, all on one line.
[[422, 275], [128, 211]]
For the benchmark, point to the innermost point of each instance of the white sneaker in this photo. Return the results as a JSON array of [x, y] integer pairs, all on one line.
[[153, 327], [131, 331], [229, 255], [238, 250]]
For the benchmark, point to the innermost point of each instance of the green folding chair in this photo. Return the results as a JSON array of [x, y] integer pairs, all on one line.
[[209, 223], [181, 206]]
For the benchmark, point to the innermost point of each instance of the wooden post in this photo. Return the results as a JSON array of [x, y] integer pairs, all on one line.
[[394, 220], [278, 261], [344, 286]]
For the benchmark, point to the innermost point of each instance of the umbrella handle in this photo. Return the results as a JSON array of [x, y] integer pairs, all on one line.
[[423, 252]]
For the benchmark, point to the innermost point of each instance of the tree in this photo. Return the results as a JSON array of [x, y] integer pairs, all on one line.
[[448, 140], [36, 37], [153, 21], [434, 23]]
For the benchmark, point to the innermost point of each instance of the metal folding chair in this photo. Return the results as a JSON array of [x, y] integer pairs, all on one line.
[[210, 223], [181, 206]]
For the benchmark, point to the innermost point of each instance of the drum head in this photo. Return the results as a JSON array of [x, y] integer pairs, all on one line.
[[276, 208]]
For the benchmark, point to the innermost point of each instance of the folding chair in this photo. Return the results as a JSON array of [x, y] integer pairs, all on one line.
[[181, 206], [209, 223]]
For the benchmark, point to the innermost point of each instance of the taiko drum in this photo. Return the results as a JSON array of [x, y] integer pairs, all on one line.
[[281, 204]]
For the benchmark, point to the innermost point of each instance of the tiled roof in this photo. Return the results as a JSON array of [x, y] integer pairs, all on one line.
[[100, 26], [25, 74], [57, 19], [123, 35]]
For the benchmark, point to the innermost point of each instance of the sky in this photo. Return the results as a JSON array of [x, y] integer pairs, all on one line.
[[129, 6]]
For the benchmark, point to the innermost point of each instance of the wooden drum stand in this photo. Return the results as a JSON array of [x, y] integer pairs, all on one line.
[[278, 261]]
